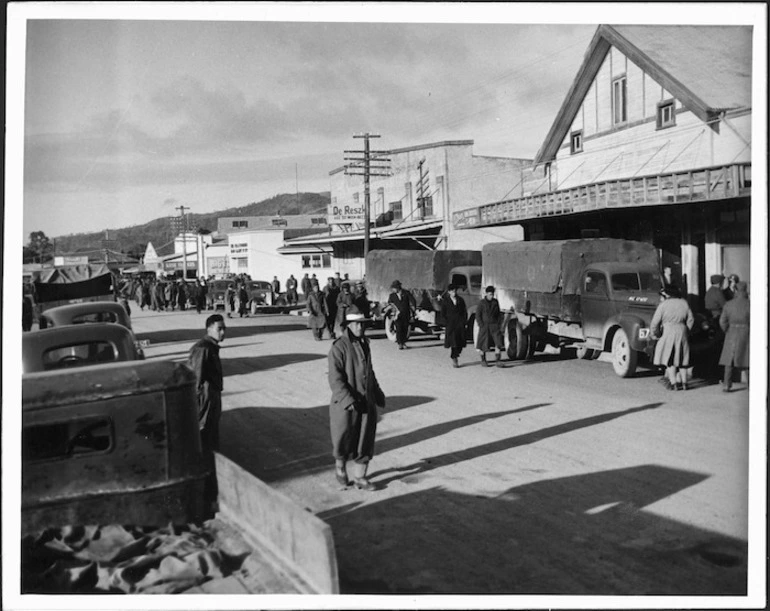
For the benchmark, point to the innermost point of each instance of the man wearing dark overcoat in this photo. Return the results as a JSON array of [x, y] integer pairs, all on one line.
[[331, 292], [714, 300], [316, 310], [356, 395], [455, 315], [401, 306], [344, 301], [735, 323], [489, 319]]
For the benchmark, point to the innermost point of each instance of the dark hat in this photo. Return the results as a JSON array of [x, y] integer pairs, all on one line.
[[489, 289], [345, 284], [741, 287], [396, 284], [717, 278], [353, 314], [451, 287], [734, 277]]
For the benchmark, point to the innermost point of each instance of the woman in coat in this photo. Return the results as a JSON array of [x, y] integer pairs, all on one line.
[[734, 321], [316, 309], [675, 318], [455, 315], [356, 395]]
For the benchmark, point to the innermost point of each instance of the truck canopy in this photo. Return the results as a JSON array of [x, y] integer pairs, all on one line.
[[546, 266], [418, 270], [62, 284]]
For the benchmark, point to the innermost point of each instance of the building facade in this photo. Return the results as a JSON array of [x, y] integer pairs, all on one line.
[[653, 142], [412, 195]]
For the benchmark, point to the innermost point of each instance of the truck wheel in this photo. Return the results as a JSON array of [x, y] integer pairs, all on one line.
[[624, 358], [473, 325], [253, 306], [584, 353], [390, 329], [516, 342]]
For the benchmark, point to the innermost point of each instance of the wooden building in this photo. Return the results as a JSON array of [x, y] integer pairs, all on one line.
[[652, 142]]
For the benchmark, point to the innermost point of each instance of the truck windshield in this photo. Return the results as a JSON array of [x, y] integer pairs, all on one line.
[[635, 281]]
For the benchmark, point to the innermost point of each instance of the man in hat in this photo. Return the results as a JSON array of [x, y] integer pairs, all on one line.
[[489, 319], [344, 301], [356, 395], [715, 300], [401, 307], [735, 323], [455, 315]]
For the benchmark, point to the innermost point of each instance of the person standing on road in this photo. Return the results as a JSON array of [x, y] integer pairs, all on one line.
[[306, 286], [291, 290], [314, 281], [205, 363], [732, 280], [276, 287], [344, 301], [674, 317], [200, 296], [489, 319], [361, 298], [714, 300], [331, 292], [455, 315], [337, 280], [356, 395], [401, 306], [316, 309], [181, 295], [230, 299], [735, 323], [243, 300]]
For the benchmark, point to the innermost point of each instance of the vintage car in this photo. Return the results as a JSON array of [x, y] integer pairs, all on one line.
[[77, 346], [260, 294], [88, 313], [116, 443]]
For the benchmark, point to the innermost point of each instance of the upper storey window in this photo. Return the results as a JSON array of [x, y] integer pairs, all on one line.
[[619, 106], [576, 142], [666, 116]]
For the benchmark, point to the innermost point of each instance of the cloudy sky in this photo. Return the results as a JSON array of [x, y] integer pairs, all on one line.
[[128, 115]]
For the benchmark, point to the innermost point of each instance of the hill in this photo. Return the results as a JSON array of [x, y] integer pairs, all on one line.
[[133, 240]]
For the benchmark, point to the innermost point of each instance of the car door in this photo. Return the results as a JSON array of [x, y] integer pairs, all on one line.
[[595, 303]]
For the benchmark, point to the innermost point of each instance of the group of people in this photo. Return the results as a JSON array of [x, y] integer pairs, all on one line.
[[160, 295], [327, 308], [727, 311]]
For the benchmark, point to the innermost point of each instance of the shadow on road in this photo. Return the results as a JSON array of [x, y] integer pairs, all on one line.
[[273, 443], [578, 535], [191, 334], [451, 458], [247, 364]]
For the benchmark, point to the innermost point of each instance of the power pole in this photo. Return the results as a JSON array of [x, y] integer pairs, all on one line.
[[422, 187], [373, 165], [184, 239]]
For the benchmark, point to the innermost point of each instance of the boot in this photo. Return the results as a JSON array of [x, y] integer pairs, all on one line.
[[484, 360], [455, 364], [359, 478], [498, 362]]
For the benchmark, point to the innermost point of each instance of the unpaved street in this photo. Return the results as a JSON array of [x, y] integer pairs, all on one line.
[[549, 476]]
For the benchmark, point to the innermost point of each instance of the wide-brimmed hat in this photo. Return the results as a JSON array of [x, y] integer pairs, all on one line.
[[353, 314], [396, 284]]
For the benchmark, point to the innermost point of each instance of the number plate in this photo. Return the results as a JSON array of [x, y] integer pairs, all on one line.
[[644, 333], [143, 343]]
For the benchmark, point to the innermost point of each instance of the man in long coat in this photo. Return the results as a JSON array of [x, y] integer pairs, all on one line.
[[455, 315], [331, 292], [735, 323], [402, 306], [316, 309], [356, 395], [489, 319], [344, 301]]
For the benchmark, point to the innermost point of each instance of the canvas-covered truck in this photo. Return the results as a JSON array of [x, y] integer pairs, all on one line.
[[425, 274], [73, 284], [596, 295], [117, 495]]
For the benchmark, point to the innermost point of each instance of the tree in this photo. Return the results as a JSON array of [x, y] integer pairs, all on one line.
[[40, 246]]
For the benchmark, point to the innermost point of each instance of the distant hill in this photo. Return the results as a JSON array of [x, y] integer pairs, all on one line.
[[133, 240]]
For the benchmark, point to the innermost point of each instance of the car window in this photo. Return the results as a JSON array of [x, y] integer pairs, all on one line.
[[627, 281], [95, 317], [460, 281], [66, 439], [476, 281], [650, 282], [595, 283], [79, 355]]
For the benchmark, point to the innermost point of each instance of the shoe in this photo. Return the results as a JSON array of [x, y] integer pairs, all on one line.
[[726, 388], [342, 477], [401, 346], [484, 360], [455, 364], [683, 386], [364, 484]]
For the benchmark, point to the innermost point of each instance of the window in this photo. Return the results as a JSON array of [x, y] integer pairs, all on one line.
[[355, 198], [397, 210], [318, 220], [67, 439], [595, 283], [79, 355], [242, 263], [576, 142], [280, 222], [237, 224], [316, 261], [619, 101], [426, 205], [666, 116], [95, 317]]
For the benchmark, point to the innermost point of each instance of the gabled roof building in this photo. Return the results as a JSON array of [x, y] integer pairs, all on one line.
[[652, 142]]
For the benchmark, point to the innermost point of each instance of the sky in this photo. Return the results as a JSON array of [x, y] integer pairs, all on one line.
[[128, 115]]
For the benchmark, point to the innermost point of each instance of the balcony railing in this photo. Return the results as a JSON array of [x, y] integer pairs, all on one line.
[[719, 182]]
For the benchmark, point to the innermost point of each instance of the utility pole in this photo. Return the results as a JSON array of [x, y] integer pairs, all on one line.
[[373, 165], [184, 240], [422, 187]]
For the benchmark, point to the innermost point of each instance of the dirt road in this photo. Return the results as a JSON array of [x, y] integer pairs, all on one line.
[[549, 476]]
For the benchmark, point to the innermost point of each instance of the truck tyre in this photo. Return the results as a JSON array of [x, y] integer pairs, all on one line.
[[584, 353], [624, 358], [390, 329], [516, 341], [253, 306]]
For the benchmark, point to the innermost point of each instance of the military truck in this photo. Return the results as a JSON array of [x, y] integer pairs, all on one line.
[[117, 495], [425, 274], [594, 295]]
